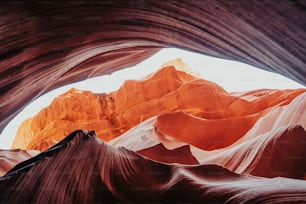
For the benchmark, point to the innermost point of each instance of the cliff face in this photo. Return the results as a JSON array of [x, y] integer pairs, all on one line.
[[190, 109]]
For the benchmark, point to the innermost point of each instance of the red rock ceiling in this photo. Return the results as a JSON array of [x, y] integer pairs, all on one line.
[[46, 44]]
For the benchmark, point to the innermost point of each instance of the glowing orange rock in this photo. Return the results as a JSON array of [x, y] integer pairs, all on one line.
[[68, 112], [209, 117], [274, 146]]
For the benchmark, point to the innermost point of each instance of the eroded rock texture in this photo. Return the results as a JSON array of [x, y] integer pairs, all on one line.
[[10, 158], [187, 140], [120, 175], [45, 44], [190, 109]]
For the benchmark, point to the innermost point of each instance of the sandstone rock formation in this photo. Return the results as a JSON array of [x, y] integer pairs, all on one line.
[[190, 109], [119, 175], [10, 158], [186, 141], [46, 44]]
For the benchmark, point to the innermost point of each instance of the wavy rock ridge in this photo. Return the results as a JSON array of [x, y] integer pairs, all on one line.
[[120, 175], [45, 44], [10, 158], [186, 141]]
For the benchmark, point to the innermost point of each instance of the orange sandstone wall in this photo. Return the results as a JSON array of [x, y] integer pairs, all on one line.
[[191, 109]]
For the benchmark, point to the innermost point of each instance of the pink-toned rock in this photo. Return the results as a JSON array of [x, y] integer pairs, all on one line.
[[83, 169], [10, 158]]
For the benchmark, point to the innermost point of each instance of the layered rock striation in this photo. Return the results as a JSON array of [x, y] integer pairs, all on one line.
[[190, 109], [120, 175], [188, 140], [47, 44]]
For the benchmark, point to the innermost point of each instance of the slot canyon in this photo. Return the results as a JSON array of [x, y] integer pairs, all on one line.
[[171, 137]]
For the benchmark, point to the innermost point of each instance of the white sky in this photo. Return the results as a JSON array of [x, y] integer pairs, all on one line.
[[232, 76]]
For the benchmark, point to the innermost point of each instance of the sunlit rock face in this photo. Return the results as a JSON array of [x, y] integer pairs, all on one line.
[[189, 109], [239, 147], [170, 137]]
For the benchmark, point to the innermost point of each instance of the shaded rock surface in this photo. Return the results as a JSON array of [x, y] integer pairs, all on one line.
[[10, 158], [45, 44], [120, 175]]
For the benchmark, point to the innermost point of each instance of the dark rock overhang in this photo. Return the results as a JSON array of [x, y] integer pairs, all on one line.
[[45, 44]]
